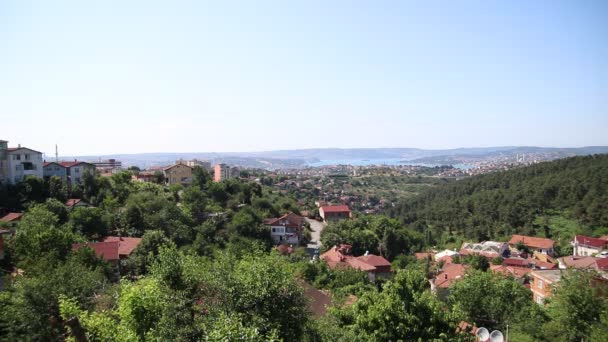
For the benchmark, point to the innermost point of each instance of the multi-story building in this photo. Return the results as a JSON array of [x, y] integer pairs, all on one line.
[[19, 162], [178, 174], [195, 162], [69, 172], [223, 172], [108, 166], [542, 284], [286, 229], [588, 246]]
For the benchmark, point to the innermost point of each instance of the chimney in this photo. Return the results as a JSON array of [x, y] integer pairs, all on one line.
[[366, 252], [18, 145]]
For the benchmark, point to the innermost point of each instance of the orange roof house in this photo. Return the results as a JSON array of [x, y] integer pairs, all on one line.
[[334, 212], [111, 248], [449, 274], [126, 245], [11, 217], [106, 250], [339, 257], [540, 245]]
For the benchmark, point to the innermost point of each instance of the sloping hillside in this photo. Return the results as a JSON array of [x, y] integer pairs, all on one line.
[[498, 204]]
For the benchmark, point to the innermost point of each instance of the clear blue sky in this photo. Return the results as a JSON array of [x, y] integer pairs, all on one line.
[[192, 76]]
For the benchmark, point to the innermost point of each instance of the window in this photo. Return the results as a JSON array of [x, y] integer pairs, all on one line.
[[539, 283], [539, 299], [27, 156], [77, 170], [16, 157]]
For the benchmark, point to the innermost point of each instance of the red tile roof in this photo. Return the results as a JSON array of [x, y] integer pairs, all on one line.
[[545, 265], [335, 209], [67, 163], [518, 262], [72, 202], [578, 261], [601, 264], [591, 241], [449, 274], [515, 272], [290, 220], [533, 242], [11, 217], [126, 245], [374, 260], [106, 250], [337, 257]]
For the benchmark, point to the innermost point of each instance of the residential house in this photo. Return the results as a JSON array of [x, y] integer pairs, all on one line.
[[588, 246], [449, 274], [339, 257], [332, 213], [584, 262], [107, 251], [69, 172], [51, 169], [535, 244], [195, 162], [18, 162], [286, 229], [542, 284], [11, 217], [113, 249], [518, 273], [487, 249], [126, 245], [178, 174]]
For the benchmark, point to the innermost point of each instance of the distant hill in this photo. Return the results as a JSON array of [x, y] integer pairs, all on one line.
[[298, 158], [499, 204]]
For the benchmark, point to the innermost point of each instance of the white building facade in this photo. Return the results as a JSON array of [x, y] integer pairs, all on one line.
[[19, 162]]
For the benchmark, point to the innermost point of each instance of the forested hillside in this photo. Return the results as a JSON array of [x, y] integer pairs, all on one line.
[[523, 200]]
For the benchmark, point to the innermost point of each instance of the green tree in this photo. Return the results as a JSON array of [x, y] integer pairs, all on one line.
[[577, 306], [489, 300], [39, 234], [90, 222]]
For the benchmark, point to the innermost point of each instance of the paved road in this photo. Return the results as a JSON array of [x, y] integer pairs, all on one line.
[[316, 228]]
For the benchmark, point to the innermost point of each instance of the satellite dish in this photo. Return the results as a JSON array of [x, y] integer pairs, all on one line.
[[483, 334], [496, 336]]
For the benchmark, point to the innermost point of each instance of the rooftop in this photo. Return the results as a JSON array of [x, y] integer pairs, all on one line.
[[548, 275], [335, 208], [531, 241]]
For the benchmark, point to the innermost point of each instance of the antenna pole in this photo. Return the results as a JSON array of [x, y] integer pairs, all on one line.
[[56, 154]]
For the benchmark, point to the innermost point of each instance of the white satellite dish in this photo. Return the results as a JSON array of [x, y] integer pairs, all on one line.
[[483, 334], [496, 336]]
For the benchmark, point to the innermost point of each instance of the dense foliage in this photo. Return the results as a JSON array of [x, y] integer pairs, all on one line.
[[205, 270], [499, 204]]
